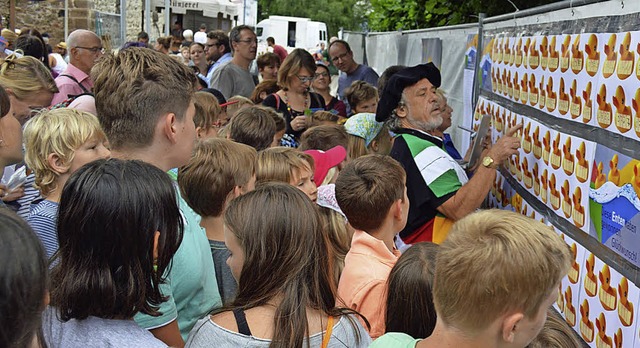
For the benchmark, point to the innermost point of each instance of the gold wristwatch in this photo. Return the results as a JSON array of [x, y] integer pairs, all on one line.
[[487, 162]]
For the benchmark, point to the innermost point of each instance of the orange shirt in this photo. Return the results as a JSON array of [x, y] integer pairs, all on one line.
[[363, 283]]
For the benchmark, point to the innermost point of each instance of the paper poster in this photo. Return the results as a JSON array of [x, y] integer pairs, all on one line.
[[588, 78], [552, 166], [608, 304], [568, 303], [614, 202]]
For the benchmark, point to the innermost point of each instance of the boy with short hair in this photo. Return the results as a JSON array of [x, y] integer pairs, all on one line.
[[371, 191], [145, 104], [496, 275], [219, 171], [254, 126], [362, 97], [58, 142], [324, 138]]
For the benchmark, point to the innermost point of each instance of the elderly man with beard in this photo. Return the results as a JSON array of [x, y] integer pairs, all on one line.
[[438, 187]]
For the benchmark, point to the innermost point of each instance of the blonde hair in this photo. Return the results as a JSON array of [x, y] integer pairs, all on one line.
[[240, 103], [357, 145], [495, 261], [331, 175], [208, 110], [61, 132], [281, 164], [25, 76]]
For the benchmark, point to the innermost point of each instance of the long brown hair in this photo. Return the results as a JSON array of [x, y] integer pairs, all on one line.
[[286, 255], [412, 275]]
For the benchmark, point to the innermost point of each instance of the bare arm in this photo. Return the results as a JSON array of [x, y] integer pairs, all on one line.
[[169, 334], [471, 195]]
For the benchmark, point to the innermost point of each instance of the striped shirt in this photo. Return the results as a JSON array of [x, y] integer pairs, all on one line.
[[43, 218]]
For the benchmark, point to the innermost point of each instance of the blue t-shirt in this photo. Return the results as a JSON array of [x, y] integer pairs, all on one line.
[[362, 73], [43, 218]]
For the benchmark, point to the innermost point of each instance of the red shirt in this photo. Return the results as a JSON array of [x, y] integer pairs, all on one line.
[[281, 52]]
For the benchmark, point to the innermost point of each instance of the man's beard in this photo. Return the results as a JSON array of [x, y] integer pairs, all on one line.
[[426, 126]]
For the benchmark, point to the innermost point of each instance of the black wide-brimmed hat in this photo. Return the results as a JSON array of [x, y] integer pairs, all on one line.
[[404, 78]]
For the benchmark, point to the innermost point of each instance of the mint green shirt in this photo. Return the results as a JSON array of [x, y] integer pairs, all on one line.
[[395, 340], [191, 285]]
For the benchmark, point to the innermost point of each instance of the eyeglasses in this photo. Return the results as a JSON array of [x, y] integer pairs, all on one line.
[[249, 41], [338, 57], [93, 49], [215, 44], [304, 79], [324, 74]]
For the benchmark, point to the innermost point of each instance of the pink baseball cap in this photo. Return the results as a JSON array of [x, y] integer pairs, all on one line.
[[325, 160]]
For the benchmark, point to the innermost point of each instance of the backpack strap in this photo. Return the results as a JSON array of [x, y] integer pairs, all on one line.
[[76, 81], [277, 100]]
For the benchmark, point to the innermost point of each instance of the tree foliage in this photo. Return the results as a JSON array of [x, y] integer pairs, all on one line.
[[390, 15], [335, 13]]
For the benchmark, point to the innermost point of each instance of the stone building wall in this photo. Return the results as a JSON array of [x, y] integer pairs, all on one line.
[[48, 16]]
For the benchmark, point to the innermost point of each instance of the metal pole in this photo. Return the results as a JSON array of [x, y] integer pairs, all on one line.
[[167, 17], [66, 20], [147, 16], [244, 11], [12, 15], [123, 22], [477, 72]]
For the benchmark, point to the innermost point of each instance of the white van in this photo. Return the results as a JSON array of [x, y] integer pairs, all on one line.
[[292, 32]]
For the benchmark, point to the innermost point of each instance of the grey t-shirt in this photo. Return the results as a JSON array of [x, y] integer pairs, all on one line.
[[232, 80], [207, 334], [95, 332], [226, 283]]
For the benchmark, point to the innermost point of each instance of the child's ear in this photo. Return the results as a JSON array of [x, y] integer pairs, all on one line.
[[199, 132], [374, 146], [397, 209], [237, 191], [510, 326], [156, 237], [57, 164], [170, 127]]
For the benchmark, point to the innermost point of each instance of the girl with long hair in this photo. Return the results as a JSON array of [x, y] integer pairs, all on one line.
[[286, 295], [118, 228]]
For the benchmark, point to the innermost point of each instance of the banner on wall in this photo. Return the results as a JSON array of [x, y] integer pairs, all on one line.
[[432, 51], [614, 202]]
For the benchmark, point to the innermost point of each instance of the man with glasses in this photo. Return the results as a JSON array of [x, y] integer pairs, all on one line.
[[217, 51], [85, 48], [233, 78], [342, 57]]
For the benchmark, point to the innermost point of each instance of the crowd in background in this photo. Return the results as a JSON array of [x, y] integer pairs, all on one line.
[[166, 196]]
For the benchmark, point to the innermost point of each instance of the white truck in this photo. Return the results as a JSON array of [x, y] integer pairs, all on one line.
[[291, 32]]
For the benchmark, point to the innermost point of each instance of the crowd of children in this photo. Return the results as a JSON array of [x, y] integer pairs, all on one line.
[[173, 217]]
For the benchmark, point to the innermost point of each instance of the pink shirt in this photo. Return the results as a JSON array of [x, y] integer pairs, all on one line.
[[363, 283], [67, 86]]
